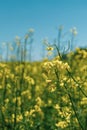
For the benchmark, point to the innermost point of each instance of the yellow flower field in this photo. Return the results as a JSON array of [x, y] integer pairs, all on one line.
[[47, 95]]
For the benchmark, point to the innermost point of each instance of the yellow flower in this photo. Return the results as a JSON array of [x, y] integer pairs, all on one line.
[[50, 48], [66, 66], [25, 93], [13, 117], [57, 107], [26, 113], [6, 100], [48, 81], [39, 101], [8, 86], [19, 118], [84, 101], [29, 80], [19, 101], [32, 111], [62, 124]]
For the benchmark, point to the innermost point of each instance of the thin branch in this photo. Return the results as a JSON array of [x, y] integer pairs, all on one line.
[[74, 108]]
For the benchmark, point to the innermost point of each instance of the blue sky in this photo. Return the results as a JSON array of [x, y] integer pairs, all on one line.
[[17, 16]]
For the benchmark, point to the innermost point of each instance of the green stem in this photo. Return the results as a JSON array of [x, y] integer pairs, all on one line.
[[70, 74], [76, 115]]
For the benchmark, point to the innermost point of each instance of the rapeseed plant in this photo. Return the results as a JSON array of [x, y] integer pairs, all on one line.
[[43, 95]]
